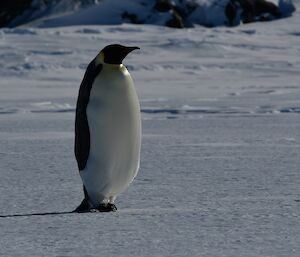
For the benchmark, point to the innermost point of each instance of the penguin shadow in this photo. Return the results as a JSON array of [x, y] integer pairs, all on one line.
[[37, 214]]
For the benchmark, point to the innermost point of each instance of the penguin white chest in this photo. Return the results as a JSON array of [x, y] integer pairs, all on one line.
[[113, 114]]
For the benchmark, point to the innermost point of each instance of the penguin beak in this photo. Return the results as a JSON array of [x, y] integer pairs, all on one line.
[[126, 51], [131, 48]]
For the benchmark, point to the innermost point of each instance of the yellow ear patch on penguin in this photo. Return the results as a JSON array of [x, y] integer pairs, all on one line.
[[100, 58]]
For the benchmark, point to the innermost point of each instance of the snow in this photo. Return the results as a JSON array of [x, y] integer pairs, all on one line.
[[220, 150], [108, 12]]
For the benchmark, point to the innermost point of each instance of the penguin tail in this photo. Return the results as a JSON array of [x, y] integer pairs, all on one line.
[[85, 205]]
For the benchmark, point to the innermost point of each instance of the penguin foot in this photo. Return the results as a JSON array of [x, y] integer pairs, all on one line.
[[106, 207], [83, 207]]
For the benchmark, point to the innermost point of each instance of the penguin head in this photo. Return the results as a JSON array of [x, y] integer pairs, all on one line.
[[115, 54]]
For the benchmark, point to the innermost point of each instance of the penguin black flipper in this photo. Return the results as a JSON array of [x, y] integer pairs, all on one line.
[[82, 132]]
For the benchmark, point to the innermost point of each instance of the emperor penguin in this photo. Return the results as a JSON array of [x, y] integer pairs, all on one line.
[[107, 129]]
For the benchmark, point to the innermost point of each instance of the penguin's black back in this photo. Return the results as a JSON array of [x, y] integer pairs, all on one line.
[[82, 132]]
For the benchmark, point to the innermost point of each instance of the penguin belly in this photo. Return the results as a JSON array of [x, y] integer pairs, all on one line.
[[113, 115]]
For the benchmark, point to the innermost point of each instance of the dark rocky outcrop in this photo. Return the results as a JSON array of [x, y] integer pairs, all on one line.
[[179, 12], [17, 12], [133, 18], [171, 13], [262, 7], [9, 10], [176, 21], [251, 10], [163, 5]]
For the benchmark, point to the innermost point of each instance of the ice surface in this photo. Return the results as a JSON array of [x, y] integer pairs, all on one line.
[[221, 142]]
